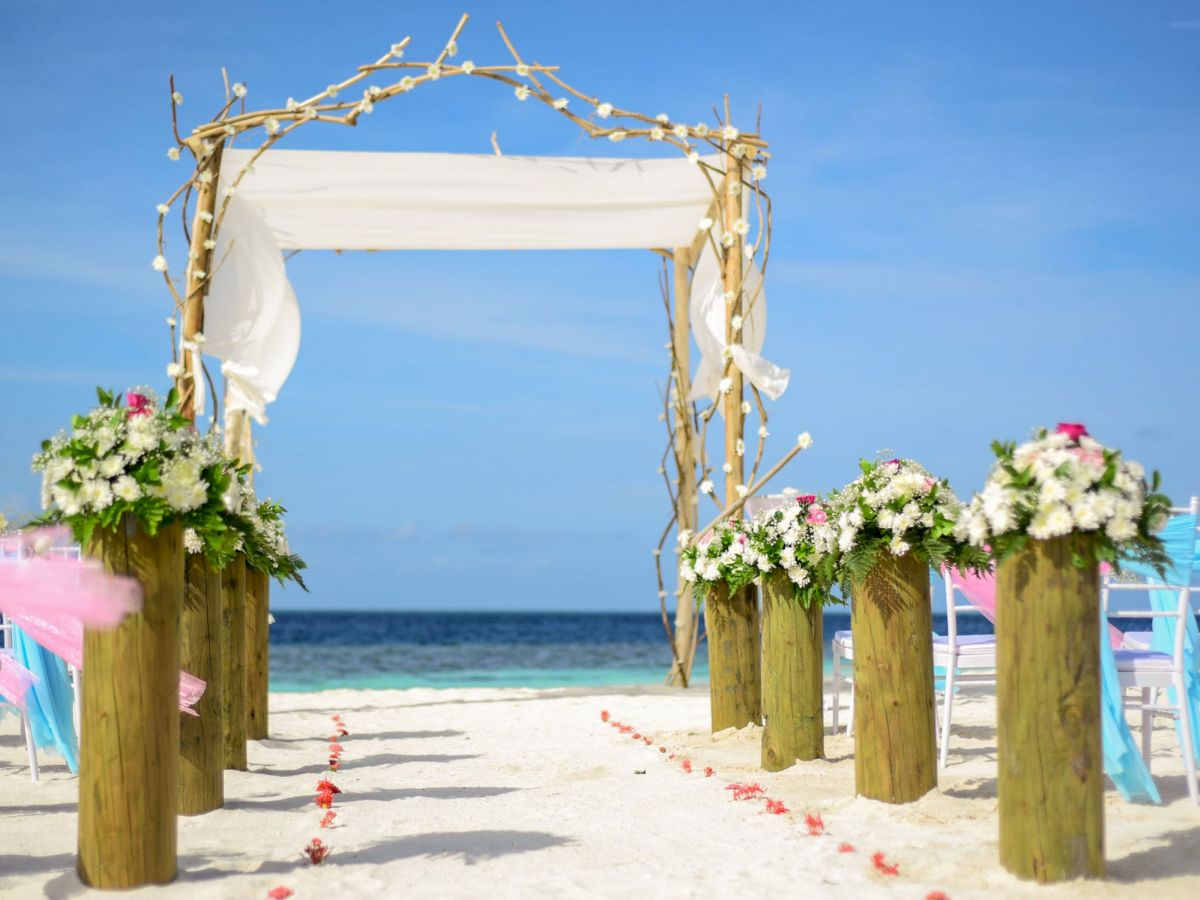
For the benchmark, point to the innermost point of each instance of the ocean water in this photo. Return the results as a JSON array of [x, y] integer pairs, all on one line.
[[313, 651]]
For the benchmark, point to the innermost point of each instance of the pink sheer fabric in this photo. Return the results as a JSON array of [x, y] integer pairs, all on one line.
[[53, 597], [980, 591], [15, 679]]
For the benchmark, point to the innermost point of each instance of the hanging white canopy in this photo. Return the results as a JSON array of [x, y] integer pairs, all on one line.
[[326, 200]]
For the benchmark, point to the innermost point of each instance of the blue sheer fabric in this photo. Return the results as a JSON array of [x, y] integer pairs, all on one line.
[[1179, 535], [1123, 761], [50, 700]]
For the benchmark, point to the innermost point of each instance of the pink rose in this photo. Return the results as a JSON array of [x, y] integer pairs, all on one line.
[[1073, 430], [893, 462], [807, 498], [816, 516], [139, 405]]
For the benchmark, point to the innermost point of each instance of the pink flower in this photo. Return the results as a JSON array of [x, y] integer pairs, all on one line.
[[879, 861], [279, 893], [139, 405], [817, 516], [807, 498], [893, 462], [776, 807], [1073, 430]]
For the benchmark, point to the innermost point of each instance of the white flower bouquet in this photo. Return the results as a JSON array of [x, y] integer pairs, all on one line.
[[897, 507], [798, 539], [1061, 483]]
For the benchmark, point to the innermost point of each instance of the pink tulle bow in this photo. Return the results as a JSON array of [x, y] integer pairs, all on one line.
[[15, 679]]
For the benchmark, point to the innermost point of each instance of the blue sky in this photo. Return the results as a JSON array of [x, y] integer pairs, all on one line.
[[986, 218]]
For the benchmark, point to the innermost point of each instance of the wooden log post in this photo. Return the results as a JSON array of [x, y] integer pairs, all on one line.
[[891, 620], [129, 741], [258, 587], [793, 677], [1051, 780], [686, 497], [201, 747], [735, 688], [233, 662]]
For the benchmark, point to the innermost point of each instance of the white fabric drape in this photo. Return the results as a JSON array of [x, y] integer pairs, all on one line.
[[707, 315], [319, 200]]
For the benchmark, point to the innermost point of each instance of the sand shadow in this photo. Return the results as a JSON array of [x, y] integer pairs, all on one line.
[[381, 795], [36, 810], [468, 846], [1177, 856], [984, 789], [276, 743], [36, 865], [366, 762], [616, 690]]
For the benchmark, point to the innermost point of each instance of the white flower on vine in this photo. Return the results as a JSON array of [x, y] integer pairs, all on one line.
[[727, 239], [680, 130], [177, 98], [701, 130], [725, 385], [373, 91], [729, 297], [170, 320], [205, 216], [742, 227], [804, 440], [726, 467], [759, 172], [174, 370], [271, 125], [332, 90], [522, 70], [657, 134], [230, 191], [706, 224], [735, 188], [162, 209], [126, 488], [310, 112], [727, 351], [366, 106], [736, 323], [522, 92], [693, 157], [452, 48], [740, 447], [706, 486], [159, 263], [741, 489], [604, 110], [748, 250], [468, 67], [739, 151], [292, 105], [173, 154], [762, 431], [615, 136], [663, 118], [407, 83], [560, 103], [239, 89], [729, 133], [746, 407], [205, 177], [397, 50], [199, 274]]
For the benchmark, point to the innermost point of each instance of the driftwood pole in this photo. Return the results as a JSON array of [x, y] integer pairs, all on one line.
[[129, 741], [734, 685], [793, 677], [686, 499], [199, 271], [891, 617], [233, 662], [201, 756], [258, 587], [1051, 783]]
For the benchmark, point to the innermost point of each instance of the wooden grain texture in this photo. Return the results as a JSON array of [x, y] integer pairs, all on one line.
[[686, 505], [233, 662], [734, 685], [891, 619], [731, 273], [199, 273], [258, 587], [129, 724], [201, 737], [1051, 780], [793, 677]]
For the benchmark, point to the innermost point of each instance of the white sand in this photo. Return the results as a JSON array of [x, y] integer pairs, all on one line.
[[522, 793]]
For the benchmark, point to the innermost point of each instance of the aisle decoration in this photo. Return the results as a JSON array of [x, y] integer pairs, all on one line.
[[722, 567], [127, 479], [1051, 511], [894, 522], [797, 560]]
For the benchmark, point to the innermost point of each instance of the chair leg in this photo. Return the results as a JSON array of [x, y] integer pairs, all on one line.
[[30, 746], [1185, 742], [836, 699], [1147, 724], [948, 705], [850, 712]]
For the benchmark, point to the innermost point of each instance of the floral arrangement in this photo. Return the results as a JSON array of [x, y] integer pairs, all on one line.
[[1064, 482], [797, 539], [897, 507], [144, 459]]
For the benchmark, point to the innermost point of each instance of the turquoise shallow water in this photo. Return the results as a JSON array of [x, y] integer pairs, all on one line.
[[392, 650]]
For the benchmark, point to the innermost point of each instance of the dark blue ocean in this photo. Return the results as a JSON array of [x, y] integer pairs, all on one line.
[[321, 650]]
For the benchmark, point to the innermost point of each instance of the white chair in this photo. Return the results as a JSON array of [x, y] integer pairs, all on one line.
[[843, 649], [967, 660], [1142, 640], [1151, 671]]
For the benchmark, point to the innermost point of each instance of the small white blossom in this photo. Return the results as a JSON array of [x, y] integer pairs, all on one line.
[[452, 48], [332, 90], [560, 103], [271, 125], [729, 133], [604, 110], [741, 226], [239, 89], [174, 370], [736, 323], [177, 98], [657, 134], [804, 440], [173, 153], [159, 263], [162, 209], [706, 224], [468, 67], [617, 136], [522, 70], [680, 131], [727, 468], [741, 489], [407, 83], [759, 172], [693, 157], [725, 385], [662, 118], [397, 50], [522, 92]]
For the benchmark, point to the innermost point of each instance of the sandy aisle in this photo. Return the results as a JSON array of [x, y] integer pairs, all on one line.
[[507, 793]]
